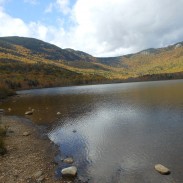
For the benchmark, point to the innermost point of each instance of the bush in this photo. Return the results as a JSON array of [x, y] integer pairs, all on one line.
[[5, 92]]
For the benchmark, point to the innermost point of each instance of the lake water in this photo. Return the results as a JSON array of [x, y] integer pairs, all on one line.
[[114, 132]]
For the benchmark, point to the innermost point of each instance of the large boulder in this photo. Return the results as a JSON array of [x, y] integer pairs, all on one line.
[[162, 169], [70, 171]]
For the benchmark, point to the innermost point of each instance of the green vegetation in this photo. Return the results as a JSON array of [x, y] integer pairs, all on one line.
[[30, 63], [5, 91]]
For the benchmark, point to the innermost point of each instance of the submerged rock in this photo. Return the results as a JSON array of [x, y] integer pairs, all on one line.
[[29, 112], [68, 160], [162, 169], [70, 171]]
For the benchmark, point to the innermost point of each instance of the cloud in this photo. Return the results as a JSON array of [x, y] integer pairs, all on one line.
[[64, 6], [11, 26], [61, 5], [118, 27], [105, 27]]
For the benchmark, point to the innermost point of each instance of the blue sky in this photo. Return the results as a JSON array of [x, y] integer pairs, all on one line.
[[37, 10], [98, 27]]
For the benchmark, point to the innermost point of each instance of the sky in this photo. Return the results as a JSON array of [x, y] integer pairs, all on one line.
[[98, 27]]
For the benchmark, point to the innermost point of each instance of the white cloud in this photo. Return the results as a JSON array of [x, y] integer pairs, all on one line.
[[64, 6], [12, 26], [105, 27], [108, 27]]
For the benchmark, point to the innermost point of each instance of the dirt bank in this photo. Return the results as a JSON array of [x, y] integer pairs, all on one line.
[[29, 158]]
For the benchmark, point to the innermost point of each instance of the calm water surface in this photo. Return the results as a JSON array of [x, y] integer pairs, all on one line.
[[122, 130]]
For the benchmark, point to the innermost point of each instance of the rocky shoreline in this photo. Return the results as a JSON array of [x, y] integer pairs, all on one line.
[[29, 157]]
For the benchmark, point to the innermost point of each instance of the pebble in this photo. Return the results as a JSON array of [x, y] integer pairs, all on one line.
[[162, 169], [29, 112], [68, 160], [38, 174], [26, 134], [1, 110], [70, 171], [40, 179]]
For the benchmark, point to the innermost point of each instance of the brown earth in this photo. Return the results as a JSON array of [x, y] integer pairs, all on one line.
[[26, 155]]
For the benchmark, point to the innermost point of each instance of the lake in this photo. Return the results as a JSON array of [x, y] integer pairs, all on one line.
[[114, 132]]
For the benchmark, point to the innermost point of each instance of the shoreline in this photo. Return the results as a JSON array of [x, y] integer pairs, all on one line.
[[27, 155], [18, 92], [105, 83]]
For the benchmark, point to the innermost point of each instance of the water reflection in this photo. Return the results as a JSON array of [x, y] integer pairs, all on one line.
[[122, 130]]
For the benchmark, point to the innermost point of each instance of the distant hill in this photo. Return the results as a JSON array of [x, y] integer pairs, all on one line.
[[31, 63]]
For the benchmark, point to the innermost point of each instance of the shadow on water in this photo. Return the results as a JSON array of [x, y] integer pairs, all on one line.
[[115, 133]]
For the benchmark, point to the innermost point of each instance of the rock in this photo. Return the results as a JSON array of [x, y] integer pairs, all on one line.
[[70, 171], [26, 134], [162, 169], [38, 174], [9, 132], [68, 160], [29, 112], [2, 151], [178, 45], [1, 110], [40, 179], [58, 113]]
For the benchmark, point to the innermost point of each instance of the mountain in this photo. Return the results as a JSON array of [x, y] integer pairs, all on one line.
[[30, 63]]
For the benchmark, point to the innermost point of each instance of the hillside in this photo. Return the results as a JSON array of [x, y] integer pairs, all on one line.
[[30, 63]]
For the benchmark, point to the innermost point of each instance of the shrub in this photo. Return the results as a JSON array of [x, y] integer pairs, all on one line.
[[5, 92]]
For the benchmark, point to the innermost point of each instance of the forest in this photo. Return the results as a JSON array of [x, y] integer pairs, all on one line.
[[27, 63]]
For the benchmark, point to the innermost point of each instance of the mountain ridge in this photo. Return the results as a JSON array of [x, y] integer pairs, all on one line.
[[48, 65]]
